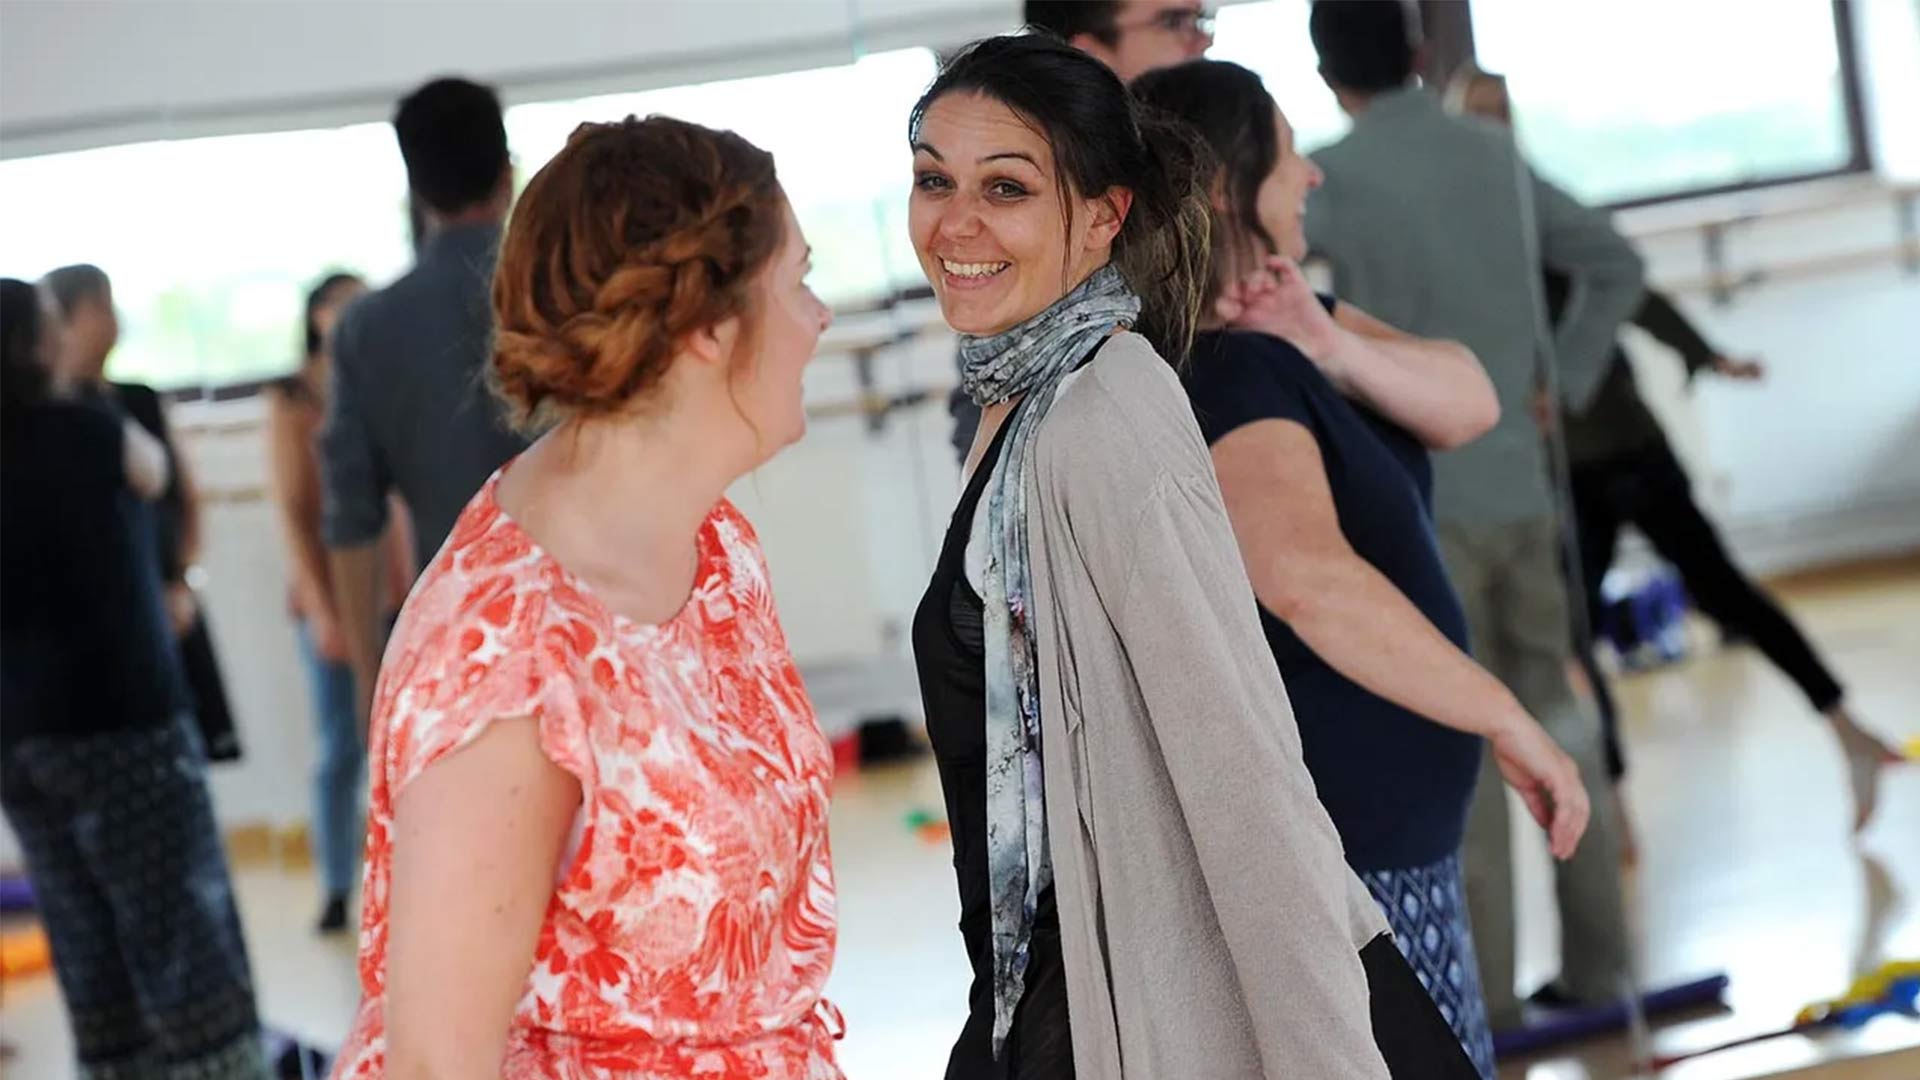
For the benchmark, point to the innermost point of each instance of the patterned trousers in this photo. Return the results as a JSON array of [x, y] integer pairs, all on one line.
[[131, 881], [1425, 907]]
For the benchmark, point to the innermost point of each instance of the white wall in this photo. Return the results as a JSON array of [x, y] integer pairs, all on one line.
[[1821, 460]]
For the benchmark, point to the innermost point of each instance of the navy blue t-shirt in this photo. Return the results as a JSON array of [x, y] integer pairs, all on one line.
[[1395, 783]]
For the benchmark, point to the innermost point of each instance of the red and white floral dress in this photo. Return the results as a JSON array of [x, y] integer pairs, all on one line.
[[691, 928]]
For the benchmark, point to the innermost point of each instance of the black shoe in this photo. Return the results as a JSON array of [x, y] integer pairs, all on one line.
[[887, 739], [297, 1062], [1554, 996], [333, 918]]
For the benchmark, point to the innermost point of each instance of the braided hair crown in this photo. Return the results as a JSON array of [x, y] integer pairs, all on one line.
[[636, 234]]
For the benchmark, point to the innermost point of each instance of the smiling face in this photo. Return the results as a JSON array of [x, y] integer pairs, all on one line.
[[988, 219], [1281, 200]]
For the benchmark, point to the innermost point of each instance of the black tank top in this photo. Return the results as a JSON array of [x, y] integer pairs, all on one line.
[[948, 650]]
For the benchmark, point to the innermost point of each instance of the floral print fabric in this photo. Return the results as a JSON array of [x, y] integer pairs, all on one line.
[[692, 926]]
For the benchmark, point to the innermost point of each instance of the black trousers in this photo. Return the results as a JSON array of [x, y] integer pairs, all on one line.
[[1413, 1037], [1649, 490], [1040, 1044]]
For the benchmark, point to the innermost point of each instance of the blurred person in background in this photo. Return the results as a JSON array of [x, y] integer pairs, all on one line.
[[102, 769], [1320, 420], [295, 408], [1131, 37], [1625, 473], [1452, 249], [408, 410], [92, 329]]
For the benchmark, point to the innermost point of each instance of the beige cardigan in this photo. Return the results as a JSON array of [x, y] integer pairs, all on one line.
[[1209, 923]]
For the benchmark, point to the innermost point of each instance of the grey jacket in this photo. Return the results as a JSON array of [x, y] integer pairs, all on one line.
[[1421, 220], [1210, 926]]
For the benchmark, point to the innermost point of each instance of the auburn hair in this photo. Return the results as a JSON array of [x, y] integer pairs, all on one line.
[[635, 235]]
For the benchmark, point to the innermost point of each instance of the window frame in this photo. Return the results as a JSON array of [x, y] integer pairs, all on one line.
[[1853, 107]]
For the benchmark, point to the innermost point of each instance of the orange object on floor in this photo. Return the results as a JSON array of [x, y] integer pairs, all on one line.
[[25, 951]]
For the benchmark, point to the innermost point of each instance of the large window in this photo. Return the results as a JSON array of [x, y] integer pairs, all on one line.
[[211, 242], [1637, 99]]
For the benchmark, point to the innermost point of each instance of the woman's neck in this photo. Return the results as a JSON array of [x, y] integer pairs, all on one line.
[[619, 502], [1209, 317]]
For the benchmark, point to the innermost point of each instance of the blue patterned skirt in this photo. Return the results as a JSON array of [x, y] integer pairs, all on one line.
[[1428, 913]]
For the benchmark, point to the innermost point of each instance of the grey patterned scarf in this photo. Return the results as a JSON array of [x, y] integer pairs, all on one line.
[[1032, 359]]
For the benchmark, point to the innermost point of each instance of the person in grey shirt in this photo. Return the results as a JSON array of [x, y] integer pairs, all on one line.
[[1433, 224], [409, 408]]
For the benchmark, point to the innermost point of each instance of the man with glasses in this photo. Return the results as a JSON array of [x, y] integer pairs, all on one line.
[[1132, 37]]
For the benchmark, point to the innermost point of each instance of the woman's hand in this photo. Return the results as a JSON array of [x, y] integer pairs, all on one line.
[[183, 608], [1277, 300], [1744, 370], [1546, 778]]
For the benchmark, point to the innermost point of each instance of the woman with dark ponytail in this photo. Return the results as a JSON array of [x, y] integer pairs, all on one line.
[[1320, 420], [1135, 833]]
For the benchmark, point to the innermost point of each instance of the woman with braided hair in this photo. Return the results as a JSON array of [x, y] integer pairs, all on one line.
[[597, 839]]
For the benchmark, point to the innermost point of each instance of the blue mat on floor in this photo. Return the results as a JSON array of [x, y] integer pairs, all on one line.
[[1546, 1029]]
